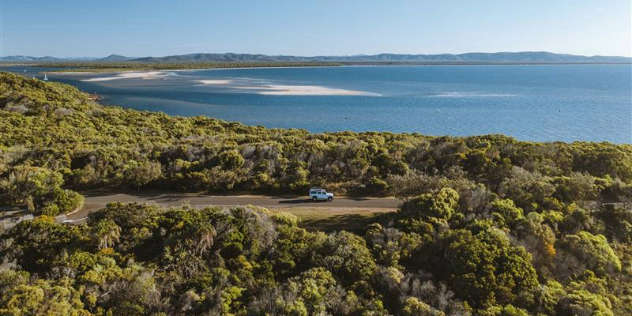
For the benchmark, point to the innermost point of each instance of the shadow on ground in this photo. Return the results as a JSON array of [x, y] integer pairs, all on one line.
[[357, 223], [300, 201]]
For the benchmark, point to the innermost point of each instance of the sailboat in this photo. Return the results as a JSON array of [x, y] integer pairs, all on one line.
[[45, 77]]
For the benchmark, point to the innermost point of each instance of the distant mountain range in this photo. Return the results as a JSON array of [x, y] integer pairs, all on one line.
[[503, 57], [20, 58], [520, 57]]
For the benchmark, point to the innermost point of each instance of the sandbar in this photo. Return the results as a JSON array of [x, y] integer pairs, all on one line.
[[131, 75], [309, 90], [214, 82], [288, 90]]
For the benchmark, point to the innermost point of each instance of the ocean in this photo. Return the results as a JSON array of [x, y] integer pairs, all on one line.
[[529, 102]]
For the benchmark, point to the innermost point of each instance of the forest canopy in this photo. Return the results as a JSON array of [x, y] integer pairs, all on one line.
[[489, 225]]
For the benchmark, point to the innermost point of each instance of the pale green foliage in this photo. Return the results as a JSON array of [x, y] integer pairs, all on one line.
[[106, 233], [440, 206], [40, 189], [592, 250], [348, 257]]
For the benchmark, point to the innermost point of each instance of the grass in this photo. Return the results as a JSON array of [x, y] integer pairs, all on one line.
[[324, 219]]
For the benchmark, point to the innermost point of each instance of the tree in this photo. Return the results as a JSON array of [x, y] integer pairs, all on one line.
[[506, 212], [593, 251], [203, 235], [414, 307], [577, 187], [40, 189], [527, 189], [584, 303], [41, 297], [140, 173], [313, 292], [485, 269], [618, 223], [231, 160], [440, 206], [106, 233], [347, 256]]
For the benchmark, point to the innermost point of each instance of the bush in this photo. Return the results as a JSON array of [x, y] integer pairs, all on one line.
[[592, 250]]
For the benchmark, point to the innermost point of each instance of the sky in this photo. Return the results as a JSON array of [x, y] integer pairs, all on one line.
[[138, 28]]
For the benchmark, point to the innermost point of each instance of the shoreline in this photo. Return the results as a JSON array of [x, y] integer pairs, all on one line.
[[62, 72], [123, 70]]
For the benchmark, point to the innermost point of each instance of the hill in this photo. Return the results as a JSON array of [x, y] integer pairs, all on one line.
[[491, 225], [115, 57]]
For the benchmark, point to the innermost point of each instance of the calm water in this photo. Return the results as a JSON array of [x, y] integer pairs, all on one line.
[[543, 103]]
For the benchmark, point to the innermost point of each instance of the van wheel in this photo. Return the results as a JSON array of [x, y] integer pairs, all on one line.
[[314, 199], [330, 199]]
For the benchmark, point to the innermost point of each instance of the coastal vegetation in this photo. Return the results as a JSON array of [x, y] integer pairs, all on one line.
[[107, 67], [489, 225]]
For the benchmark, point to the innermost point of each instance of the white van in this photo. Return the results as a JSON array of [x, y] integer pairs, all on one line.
[[318, 194]]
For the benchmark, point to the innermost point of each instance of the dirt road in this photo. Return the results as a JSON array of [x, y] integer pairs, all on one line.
[[95, 201]]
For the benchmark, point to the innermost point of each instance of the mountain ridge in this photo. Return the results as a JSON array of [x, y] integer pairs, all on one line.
[[518, 57], [472, 57]]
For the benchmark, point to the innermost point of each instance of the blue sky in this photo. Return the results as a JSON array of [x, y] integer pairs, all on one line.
[[75, 28]]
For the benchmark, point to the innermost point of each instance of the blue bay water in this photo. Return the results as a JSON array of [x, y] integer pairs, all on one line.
[[529, 102]]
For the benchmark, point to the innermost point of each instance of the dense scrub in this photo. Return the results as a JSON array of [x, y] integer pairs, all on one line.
[[54, 132], [427, 259], [490, 225]]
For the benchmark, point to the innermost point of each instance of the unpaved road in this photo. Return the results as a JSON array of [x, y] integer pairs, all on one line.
[[95, 201]]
